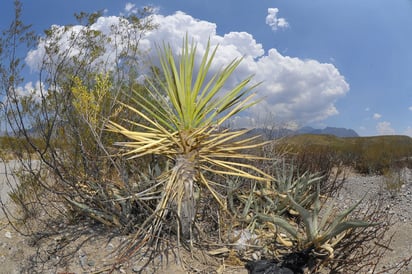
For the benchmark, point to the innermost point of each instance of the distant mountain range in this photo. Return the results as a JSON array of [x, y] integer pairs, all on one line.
[[283, 132]]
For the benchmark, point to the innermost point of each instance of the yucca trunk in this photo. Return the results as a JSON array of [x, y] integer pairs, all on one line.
[[186, 202]]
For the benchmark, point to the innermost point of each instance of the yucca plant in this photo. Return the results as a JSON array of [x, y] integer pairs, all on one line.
[[182, 120]]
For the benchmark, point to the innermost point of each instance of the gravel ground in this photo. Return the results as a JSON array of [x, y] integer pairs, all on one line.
[[397, 198], [6, 179], [16, 249]]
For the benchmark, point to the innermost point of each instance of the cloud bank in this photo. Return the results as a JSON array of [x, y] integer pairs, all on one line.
[[293, 90]]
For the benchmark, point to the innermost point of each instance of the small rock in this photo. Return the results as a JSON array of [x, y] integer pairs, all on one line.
[[82, 258], [256, 255], [137, 268], [7, 235], [110, 247]]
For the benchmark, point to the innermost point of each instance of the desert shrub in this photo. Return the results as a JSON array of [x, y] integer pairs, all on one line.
[[59, 127], [316, 158], [367, 155], [373, 160], [393, 180], [377, 154]]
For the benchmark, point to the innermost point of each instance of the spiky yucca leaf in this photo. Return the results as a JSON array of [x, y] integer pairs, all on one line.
[[181, 120]]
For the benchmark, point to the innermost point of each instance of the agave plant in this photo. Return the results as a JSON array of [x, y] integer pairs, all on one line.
[[288, 180], [182, 120], [322, 232]]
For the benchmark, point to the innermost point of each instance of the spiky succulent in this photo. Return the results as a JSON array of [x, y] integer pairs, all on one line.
[[182, 120]]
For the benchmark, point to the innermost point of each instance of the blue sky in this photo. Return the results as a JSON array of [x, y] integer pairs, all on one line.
[[342, 63]]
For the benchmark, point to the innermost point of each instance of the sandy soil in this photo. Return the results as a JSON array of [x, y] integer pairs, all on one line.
[[67, 251]]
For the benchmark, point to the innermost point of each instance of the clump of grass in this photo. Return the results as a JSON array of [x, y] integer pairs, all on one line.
[[393, 181]]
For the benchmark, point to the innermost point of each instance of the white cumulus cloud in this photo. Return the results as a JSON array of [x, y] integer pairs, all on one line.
[[410, 108], [130, 8], [30, 90], [293, 90], [377, 116], [274, 22], [385, 128]]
